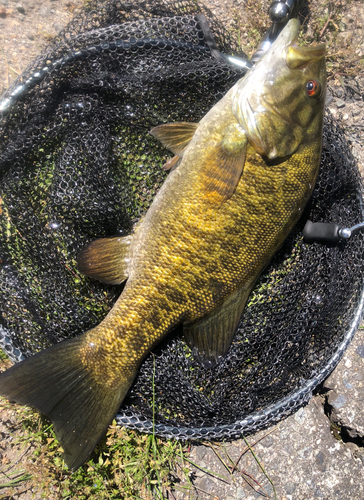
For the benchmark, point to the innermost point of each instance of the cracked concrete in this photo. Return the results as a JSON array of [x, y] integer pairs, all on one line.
[[314, 453], [318, 452], [345, 392]]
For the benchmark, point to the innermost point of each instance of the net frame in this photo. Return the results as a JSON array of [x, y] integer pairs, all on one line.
[[66, 52]]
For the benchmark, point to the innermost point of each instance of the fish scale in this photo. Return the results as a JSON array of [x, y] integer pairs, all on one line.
[[240, 180], [231, 265]]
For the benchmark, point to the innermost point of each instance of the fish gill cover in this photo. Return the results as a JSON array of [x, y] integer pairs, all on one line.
[[77, 163]]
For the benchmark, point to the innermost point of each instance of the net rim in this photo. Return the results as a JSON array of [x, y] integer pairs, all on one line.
[[258, 419], [254, 421]]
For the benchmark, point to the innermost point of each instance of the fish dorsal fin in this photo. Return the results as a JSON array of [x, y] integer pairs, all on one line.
[[211, 337], [223, 166], [106, 259], [175, 136]]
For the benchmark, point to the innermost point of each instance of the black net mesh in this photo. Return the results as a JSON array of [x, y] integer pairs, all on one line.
[[77, 163]]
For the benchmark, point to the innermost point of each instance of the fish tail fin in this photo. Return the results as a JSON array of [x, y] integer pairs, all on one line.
[[56, 383]]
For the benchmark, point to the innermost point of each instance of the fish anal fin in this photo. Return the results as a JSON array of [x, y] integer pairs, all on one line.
[[106, 259], [175, 136], [59, 385], [210, 337], [223, 166]]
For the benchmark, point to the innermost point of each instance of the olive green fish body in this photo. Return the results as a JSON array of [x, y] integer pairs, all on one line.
[[239, 182], [192, 257]]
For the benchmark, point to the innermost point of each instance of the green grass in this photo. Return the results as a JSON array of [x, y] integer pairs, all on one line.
[[125, 465], [14, 478], [3, 356]]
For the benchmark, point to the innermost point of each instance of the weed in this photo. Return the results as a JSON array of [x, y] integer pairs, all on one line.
[[3, 356], [14, 478], [125, 465], [261, 466]]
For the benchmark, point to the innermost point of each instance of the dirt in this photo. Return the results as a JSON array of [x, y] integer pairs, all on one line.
[[13, 455], [26, 28]]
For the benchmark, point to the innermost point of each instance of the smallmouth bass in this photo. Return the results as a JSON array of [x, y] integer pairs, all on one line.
[[239, 181]]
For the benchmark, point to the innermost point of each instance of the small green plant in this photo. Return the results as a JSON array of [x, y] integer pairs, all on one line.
[[13, 478], [125, 465], [3, 356]]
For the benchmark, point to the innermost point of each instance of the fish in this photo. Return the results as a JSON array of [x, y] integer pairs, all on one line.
[[238, 183]]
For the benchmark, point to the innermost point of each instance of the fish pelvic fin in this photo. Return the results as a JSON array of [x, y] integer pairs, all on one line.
[[57, 383], [223, 166], [106, 259], [210, 338], [175, 136]]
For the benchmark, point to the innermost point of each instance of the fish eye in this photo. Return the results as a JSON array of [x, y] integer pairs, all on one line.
[[313, 88]]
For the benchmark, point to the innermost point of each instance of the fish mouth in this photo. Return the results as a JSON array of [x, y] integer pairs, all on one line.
[[299, 57], [289, 35]]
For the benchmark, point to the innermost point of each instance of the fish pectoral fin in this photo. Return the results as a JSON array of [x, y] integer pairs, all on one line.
[[172, 163], [58, 384], [210, 337], [175, 136], [222, 168], [106, 259]]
